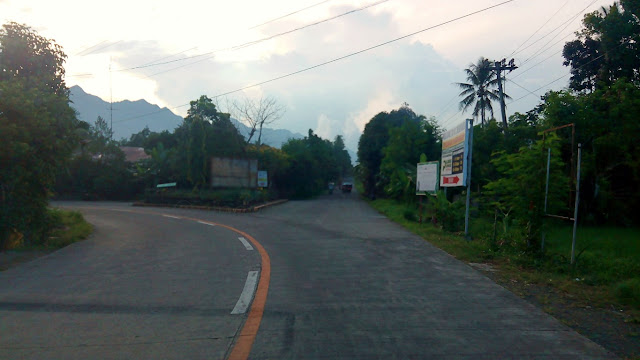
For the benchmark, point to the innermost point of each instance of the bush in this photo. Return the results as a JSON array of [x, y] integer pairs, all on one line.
[[628, 292], [69, 227], [448, 215], [235, 198], [410, 214]]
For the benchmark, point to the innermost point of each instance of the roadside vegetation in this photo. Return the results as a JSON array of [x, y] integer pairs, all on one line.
[[48, 152], [67, 228], [512, 237]]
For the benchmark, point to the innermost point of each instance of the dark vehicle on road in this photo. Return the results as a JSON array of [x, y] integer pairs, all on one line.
[[346, 187]]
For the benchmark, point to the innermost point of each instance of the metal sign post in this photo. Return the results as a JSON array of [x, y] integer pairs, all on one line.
[[427, 180], [469, 146], [575, 209]]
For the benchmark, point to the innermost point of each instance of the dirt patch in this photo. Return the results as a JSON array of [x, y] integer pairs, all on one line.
[[613, 327]]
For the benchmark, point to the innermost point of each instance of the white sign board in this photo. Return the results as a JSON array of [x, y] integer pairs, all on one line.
[[454, 154], [427, 179], [262, 179]]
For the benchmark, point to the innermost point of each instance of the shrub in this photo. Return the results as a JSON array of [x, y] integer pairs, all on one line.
[[628, 292], [449, 215]]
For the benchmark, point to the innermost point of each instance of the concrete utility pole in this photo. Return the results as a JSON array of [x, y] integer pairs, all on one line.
[[499, 66]]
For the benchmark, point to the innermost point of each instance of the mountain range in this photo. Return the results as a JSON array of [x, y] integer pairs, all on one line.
[[130, 117]]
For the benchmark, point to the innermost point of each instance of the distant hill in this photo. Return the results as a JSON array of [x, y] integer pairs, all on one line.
[[130, 117], [271, 137]]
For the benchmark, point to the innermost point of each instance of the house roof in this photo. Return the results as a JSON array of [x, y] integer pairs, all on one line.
[[134, 154]]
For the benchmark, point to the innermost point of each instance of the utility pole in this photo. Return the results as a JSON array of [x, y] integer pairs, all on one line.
[[110, 99], [500, 66]]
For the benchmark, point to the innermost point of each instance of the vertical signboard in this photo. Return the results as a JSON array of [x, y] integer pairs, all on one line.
[[427, 177], [454, 156], [263, 180]]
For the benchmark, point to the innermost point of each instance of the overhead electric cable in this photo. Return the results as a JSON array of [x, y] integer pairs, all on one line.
[[101, 48], [367, 49], [249, 43], [309, 25], [556, 28], [561, 77], [90, 47], [540, 28], [346, 56], [293, 13], [169, 56], [522, 87], [544, 47]]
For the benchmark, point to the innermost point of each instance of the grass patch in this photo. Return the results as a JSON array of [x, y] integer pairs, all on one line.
[[69, 227], [604, 255]]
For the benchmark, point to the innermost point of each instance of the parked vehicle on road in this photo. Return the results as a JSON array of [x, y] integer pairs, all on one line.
[[346, 187]]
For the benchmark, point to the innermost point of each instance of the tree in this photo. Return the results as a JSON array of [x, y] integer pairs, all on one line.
[[607, 48], [342, 157], [608, 127], [256, 114], [526, 203], [403, 151], [37, 128], [34, 60], [480, 91], [204, 133], [372, 142], [311, 165]]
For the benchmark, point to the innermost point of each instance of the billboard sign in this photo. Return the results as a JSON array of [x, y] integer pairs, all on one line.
[[427, 179], [454, 154], [263, 180], [234, 172]]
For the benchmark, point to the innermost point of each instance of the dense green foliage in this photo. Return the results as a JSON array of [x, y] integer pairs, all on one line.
[[607, 49], [37, 129], [509, 164], [389, 149], [98, 169], [68, 227], [313, 163]]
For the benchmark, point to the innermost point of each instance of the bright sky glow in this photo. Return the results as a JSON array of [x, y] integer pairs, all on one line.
[[338, 98]]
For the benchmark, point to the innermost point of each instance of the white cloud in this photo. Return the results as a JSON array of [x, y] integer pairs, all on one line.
[[338, 98]]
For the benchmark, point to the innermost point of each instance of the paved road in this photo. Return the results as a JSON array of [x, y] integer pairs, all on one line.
[[345, 283], [142, 287]]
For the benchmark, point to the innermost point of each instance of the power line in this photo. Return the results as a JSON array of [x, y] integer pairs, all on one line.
[[447, 106], [533, 66], [312, 24], [522, 87], [169, 56], [561, 77], [544, 47], [345, 56], [540, 28], [556, 28], [284, 16], [101, 48], [367, 49], [91, 47], [247, 44]]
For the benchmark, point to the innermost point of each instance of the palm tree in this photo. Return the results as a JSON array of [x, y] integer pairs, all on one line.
[[481, 89]]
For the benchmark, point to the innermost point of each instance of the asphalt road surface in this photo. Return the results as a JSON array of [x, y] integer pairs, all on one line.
[[333, 280]]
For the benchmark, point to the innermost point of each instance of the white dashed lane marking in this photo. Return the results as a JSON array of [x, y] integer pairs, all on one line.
[[247, 294], [245, 243]]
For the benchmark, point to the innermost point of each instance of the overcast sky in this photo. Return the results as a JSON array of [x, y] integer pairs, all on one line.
[[337, 98]]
